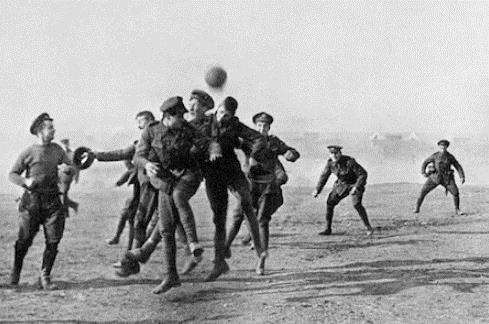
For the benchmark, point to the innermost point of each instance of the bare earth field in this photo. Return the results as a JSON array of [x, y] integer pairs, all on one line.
[[429, 268]]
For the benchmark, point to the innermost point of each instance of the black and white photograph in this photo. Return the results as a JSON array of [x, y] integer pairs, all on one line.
[[244, 161]]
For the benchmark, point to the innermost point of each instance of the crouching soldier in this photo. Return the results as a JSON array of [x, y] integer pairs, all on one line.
[[165, 151], [352, 179], [40, 203], [442, 174], [266, 179]]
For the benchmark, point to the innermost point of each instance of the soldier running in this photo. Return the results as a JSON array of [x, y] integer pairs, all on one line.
[[200, 103], [223, 172], [352, 179], [40, 204], [266, 180], [442, 174], [165, 151]]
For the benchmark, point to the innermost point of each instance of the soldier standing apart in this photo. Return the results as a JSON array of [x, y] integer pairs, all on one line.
[[442, 174], [223, 172], [67, 174], [40, 204], [166, 150], [132, 177], [352, 179], [265, 185]]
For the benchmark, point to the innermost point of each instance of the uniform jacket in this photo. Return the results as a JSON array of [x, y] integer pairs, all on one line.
[[225, 136], [348, 171], [174, 149], [443, 167], [127, 155]]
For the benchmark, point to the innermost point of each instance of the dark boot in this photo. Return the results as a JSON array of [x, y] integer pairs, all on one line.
[[219, 269], [172, 279], [129, 266], [363, 215], [120, 227], [49, 256], [329, 220], [20, 252]]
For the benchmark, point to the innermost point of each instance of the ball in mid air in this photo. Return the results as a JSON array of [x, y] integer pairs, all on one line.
[[216, 77]]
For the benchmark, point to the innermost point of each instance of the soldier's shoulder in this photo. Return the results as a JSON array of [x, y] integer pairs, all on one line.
[[57, 147]]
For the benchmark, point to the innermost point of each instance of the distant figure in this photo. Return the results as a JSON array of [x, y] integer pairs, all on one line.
[[440, 173], [352, 179], [67, 174], [40, 204]]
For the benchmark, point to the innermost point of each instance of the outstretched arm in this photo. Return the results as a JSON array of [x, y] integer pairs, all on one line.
[[459, 168], [425, 163], [323, 178]]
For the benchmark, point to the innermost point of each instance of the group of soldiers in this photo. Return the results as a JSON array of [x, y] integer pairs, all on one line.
[[166, 167]]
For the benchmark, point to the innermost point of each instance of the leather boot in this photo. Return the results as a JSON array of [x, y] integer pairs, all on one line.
[[20, 252]]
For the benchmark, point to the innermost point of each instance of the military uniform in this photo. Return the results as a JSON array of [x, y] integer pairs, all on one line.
[[442, 175], [178, 179], [40, 204], [266, 180], [130, 209], [350, 175], [225, 173], [67, 174]]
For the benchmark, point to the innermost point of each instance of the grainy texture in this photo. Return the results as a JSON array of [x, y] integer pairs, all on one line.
[[433, 268]]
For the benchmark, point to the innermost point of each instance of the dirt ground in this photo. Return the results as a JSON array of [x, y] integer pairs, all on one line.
[[429, 268]]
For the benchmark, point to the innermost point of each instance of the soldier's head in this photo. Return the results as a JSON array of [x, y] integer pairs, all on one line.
[[200, 102], [143, 118], [335, 152], [262, 122], [66, 143], [226, 109], [173, 110], [43, 127], [443, 145]]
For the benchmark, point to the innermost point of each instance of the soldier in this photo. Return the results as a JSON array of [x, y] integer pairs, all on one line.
[[40, 204], [200, 103], [352, 179], [265, 185], [223, 172], [442, 174], [132, 177], [165, 151], [67, 174]]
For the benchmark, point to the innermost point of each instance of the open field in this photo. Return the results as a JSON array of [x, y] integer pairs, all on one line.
[[433, 268]]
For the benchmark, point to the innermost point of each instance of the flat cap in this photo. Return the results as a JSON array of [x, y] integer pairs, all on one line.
[[334, 148], [263, 117], [173, 106], [443, 142], [203, 97], [65, 140], [38, 122], [230, 104]]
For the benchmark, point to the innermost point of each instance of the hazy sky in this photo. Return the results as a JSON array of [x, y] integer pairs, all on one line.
[[372, 66]]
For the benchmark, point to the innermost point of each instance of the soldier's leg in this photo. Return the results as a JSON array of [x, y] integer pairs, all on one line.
[[54, 223], [334, 199], [185, 189], [217, 193], [356, 199], [168, 222], [241, 190], [121, 223], [152, 224], [147, 205], [237, 220], [427, 187], [453, 189], [133, 208], [29, 222]]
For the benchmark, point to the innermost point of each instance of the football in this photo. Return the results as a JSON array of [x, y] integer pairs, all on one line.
[[216, 77]]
